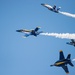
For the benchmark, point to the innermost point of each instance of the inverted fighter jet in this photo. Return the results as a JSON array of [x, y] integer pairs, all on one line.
[[62, 62], [72, 42], [30, 32], [54, 9]]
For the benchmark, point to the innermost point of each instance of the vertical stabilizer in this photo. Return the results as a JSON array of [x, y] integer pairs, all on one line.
[[69, 56]]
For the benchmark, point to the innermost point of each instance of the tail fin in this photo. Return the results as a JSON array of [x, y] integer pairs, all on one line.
[[68, 57]]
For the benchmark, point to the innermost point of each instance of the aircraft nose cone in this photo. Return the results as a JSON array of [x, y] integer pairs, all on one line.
[[42, 4], [51, 65], [66, 42], [18, 30]]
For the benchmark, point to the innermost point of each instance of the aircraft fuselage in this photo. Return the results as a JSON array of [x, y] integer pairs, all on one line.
[[60, 63], [34, 33], [54, 10], [51, 8]]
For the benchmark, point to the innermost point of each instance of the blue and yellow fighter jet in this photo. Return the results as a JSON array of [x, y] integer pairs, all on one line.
[[62, 62], [51, 8], [30, 32], [71, 43]]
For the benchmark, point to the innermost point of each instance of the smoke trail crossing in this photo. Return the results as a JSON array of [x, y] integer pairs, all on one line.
[[67, 14], [60, 35]]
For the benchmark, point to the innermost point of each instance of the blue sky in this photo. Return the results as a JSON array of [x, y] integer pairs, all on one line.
[[34, 55]]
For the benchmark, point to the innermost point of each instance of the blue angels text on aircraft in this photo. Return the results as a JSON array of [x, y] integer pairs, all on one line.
[[54, 9], [62, 62], [72, 42], [30, 32]]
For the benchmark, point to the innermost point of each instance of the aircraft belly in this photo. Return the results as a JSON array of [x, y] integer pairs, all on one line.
[[59, 63]]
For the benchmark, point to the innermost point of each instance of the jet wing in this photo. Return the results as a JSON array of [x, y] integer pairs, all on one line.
[[65, 69], [61, 57], [37, 28], [26, 35]]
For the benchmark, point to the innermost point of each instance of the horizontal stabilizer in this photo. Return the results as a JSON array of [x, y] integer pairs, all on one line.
[[71, 64], [40, 32], [58, 8], [68, 57]]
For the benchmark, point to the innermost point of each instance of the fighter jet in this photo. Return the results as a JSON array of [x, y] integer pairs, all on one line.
[[54, 9], [30, 32], [62, 62], [72, 42]]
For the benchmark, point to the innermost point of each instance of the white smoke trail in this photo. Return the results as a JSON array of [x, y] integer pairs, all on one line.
[[60, 35], [67, 14], [73, 59]]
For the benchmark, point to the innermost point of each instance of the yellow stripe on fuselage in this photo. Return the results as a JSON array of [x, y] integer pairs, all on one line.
[[59, 63]]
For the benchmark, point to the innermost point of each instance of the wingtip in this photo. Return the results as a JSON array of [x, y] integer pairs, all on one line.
[[59, 7], [69, 54], [38, 27], [17, 30], [61, 51], [42, 3], [24, 37], [51, 65], [67, 73]]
